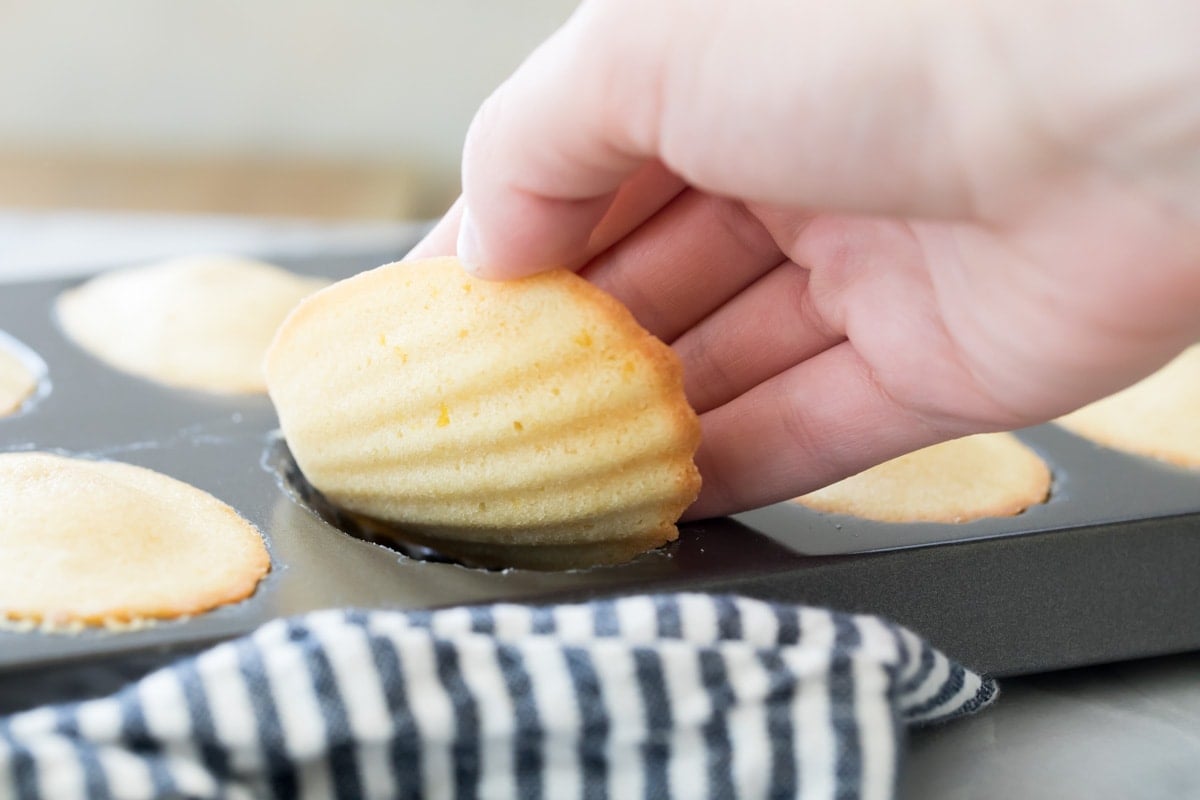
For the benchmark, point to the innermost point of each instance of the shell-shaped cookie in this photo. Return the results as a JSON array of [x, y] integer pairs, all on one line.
[[198, 322], [18, 379], [108, 543], [1157, 417], [523, 415], [985, 475]]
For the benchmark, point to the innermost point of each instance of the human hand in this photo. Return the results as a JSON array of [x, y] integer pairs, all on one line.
[[864, 227]]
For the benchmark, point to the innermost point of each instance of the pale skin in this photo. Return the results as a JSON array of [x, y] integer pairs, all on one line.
[[865, 227]]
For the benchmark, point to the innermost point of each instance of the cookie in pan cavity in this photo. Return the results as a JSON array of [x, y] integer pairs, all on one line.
[[103, 543], [987, 475], [19, 376], [529, 423], [1158, 417], [199, 322]]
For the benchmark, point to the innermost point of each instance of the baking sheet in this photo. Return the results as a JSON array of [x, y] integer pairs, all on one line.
[[1103, 571]]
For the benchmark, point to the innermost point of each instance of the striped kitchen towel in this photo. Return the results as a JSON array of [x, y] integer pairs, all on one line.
[[661, 696]]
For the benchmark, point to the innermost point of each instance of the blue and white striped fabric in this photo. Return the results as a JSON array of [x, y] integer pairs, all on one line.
[[668, 696]]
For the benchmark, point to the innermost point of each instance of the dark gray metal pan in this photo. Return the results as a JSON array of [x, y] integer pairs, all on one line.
[[1108, 569]]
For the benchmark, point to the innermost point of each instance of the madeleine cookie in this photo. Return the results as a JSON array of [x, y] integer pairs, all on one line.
[[519, 423], [1157, 417], [106, 543], [17, 381], [988, 475], [202, 322]]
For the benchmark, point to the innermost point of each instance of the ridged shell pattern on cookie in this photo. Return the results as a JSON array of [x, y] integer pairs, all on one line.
[[530, 412]]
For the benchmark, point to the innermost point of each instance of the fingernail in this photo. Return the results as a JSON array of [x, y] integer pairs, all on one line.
[[468, 243]]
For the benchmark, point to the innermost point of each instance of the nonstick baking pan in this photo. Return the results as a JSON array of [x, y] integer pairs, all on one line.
[[1107, 569]]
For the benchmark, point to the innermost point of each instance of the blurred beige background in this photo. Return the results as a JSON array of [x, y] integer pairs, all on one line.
[[351, 109]]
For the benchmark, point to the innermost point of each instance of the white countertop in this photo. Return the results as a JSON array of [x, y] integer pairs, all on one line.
[[1128, 731]]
